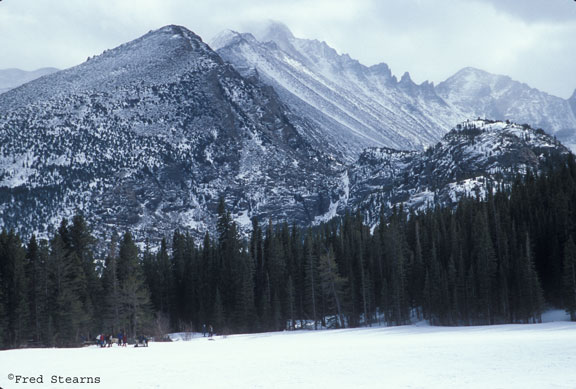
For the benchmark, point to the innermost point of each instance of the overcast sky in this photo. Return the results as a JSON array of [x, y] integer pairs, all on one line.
[[533, 41]]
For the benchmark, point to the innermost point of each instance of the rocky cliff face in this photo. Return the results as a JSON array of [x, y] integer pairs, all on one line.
[[351, 106], [473, 157], [354, 106]]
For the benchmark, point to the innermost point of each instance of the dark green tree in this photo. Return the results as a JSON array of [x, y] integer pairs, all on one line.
[[569, 278], [134, 293], [37, 288], [14, 289], [66, 314]]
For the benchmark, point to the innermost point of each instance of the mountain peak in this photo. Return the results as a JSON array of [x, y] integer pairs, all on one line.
[[160, 45], [165, 113], [172, 31], [274, 31], [406, 79], [471, 74], [381, 68], [228, 37], [472, 70], [572, 102], [173, 28], [479, 93], [159, 56]]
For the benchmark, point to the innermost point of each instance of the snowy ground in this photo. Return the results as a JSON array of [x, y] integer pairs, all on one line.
[[507, 356]]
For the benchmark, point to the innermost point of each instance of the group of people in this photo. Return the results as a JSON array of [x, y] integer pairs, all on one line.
[[142, 341], [106, 340], [207, 330]]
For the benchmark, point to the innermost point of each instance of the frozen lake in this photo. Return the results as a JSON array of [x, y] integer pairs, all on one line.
[[506, 356]]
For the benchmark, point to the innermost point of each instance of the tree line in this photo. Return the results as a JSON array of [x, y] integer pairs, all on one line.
[[501, 259]]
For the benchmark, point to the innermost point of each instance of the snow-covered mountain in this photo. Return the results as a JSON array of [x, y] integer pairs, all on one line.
[[12, 78], [149, 136], [572, 102], [351, 106], [481, 94], [469, 159]]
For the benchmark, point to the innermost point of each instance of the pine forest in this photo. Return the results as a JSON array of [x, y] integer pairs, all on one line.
[[502, 259]]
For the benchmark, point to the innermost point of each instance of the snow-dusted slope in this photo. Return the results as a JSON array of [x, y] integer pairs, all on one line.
[[572, 102], [149, 136], [351, 106], [12, 78], [469, 158], [481, 94]]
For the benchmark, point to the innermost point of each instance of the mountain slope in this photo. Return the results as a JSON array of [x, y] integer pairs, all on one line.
[[572, 102], [481, 94], [351, 106], [149, 136], [466, 161], [12, 78]]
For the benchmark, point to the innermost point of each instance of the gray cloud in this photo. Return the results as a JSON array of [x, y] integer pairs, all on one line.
[[537, 10]]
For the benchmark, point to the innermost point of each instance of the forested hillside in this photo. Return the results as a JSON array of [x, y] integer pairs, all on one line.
[[498, 260]]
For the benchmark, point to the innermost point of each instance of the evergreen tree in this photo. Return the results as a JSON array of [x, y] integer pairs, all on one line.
[[14, 289], [483, 265], [291, 304], [311, 277], [165, 281], [134, 294], [113, 308], [396, 276], [66, 314], [81, 245], [569, 278], [37, 290], [229, 261], [3, 318], [332, 284], [247, 316], [489, 261], [218, 315], [534, 300]]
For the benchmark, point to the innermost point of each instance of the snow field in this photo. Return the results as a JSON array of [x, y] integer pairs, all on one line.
[[506, 356]]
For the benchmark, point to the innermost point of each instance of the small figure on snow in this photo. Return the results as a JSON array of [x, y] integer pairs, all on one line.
[[142, 341]]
